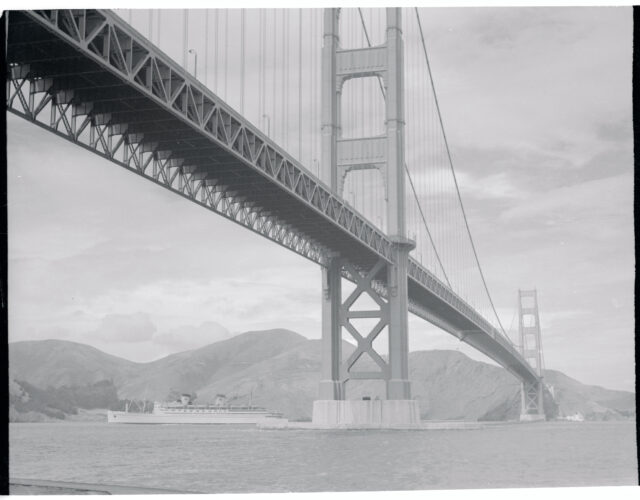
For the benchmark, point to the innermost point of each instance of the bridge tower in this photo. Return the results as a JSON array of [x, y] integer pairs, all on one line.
[[339, 157], [531, 349]]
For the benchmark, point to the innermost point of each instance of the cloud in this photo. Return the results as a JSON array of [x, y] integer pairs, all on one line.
[[135, 327], [587, 201], [536, 105], [493, 186]]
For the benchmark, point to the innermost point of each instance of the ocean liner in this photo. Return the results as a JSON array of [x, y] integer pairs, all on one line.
[[185, 411]]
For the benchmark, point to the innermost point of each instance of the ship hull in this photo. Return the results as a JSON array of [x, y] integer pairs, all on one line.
[[121, 417]]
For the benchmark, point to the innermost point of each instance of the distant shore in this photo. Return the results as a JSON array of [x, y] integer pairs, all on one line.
[[97, 415]]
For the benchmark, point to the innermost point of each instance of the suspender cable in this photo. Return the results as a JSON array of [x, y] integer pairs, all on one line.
[[262, 75], [206, 47], [215, 50], [446, 143], [300, 84], [185, 37], [366, 35], [286, 74], [242, 22], [158, 13], [273, 98], [413, 189], [283, 80], [226, 50], [150, 24]]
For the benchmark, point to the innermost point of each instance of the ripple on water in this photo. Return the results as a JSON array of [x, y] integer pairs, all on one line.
[[214, 459]]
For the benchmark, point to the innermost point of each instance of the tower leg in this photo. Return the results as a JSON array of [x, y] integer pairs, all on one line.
[[398, 386], [331, 387], [333, 410], [531, 401]]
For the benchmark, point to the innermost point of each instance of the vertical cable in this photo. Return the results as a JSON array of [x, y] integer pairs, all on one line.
[[158, 17], [206, 47], [150, 25], [287, 72], [314, 97], [262, 69], [226, 51], [273, 97], [300, 84], [282, 118], [185, 37], [215, 53], [242, 23]]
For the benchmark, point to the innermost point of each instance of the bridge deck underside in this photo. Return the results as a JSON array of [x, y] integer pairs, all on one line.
[[93, 88], [449, 318], [126, 108]]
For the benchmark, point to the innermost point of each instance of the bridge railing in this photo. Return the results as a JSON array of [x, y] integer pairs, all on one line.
[[431, 282], [191, 101], [128, 54]]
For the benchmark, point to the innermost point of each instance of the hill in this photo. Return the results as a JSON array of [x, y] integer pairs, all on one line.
[[45, 363], [280, 369]]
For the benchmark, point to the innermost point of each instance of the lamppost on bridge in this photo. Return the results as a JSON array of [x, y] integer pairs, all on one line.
[[268, 125]]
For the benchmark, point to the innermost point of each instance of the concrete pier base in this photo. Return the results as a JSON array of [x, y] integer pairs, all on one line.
[[525, 417], [384, 414]]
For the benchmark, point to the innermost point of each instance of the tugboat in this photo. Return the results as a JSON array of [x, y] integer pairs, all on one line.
[[184, 411]]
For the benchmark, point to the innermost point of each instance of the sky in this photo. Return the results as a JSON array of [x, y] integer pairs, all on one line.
[[537, 109]]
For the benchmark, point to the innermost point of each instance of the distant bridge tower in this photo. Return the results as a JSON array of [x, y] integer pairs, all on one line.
[[339, 157], [531, 349]]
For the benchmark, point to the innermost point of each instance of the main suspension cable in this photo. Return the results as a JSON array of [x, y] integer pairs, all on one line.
[[455, 181]]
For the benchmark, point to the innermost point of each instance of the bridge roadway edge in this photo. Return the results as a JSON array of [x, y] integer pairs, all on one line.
[[485, 346]]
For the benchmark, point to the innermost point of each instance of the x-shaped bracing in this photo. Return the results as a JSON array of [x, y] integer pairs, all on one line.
[[364, 284], [531, 394]]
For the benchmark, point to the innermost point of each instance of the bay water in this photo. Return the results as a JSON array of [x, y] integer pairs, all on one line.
[[234, 459]]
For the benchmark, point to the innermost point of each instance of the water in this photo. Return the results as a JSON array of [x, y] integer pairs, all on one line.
[[229, 459]]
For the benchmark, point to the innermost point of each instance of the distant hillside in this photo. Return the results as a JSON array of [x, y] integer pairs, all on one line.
[[598, 402], [197, 369], [56, 363], [280, 369]]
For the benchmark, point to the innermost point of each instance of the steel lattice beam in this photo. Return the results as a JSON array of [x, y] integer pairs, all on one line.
[[90, 78]]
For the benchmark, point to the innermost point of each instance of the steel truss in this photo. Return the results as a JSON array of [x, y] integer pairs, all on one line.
[[54, 94], [532, 398], [104, 38], [365, 284], [158, 166]]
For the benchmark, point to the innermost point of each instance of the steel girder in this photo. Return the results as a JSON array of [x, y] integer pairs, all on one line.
[[122, 150], [365, 284], [104, 39], [110, 88]]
